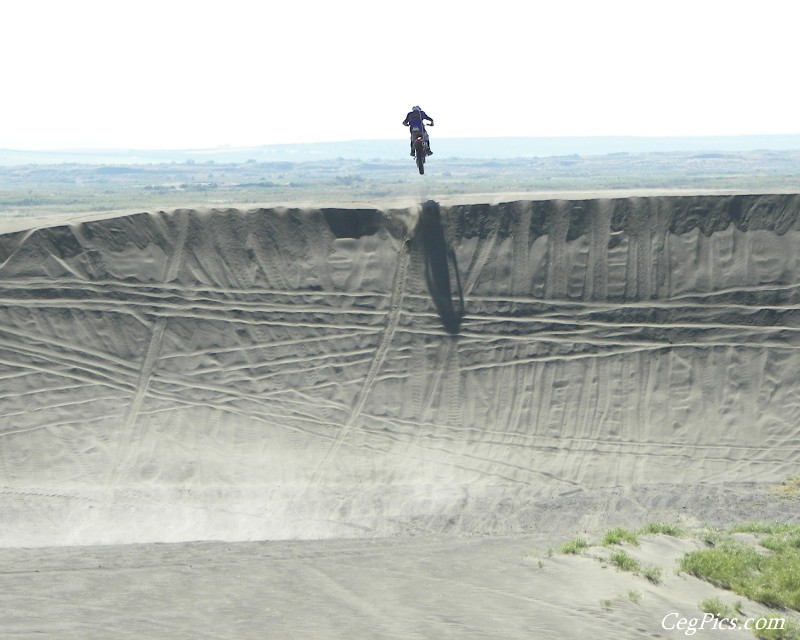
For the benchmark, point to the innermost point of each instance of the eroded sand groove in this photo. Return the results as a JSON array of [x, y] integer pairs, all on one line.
[[302, 373]]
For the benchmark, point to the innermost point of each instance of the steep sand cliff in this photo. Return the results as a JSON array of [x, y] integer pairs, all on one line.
[[305, 373]]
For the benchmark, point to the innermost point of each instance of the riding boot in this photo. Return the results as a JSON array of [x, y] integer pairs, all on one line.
[[412, 149]]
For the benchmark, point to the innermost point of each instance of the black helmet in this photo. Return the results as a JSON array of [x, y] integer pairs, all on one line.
[[416, 108]]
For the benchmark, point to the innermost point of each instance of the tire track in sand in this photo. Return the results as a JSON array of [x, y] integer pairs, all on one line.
[[392, 319], [151, 355]]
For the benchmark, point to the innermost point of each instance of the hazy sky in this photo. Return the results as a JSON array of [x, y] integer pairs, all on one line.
[[179, 74]]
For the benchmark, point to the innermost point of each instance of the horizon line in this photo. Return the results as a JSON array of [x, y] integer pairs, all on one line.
[[234, 147]]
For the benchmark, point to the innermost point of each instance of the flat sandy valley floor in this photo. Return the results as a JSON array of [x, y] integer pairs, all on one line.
[[368, 423]]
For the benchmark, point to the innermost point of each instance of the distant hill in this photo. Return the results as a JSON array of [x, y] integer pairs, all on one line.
[[479, 148]]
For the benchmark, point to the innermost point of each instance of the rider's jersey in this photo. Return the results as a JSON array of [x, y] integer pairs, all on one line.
[[415, 118]]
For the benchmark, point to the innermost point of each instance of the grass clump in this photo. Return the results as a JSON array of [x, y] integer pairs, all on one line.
[[624, 562], [790, 631], [574, 546], [712, 537], [653, 574], [768, 528], [717, 608], [663, 528], [787, 543], [620, 536]]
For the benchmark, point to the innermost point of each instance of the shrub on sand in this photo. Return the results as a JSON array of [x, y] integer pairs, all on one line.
[[619, 536], [790, 631], [768, 528], [663, 528], [624, 562], [717, 608], [653, 574], [574, 546]]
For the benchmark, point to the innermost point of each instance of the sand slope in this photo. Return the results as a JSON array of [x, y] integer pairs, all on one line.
[[306, 373]]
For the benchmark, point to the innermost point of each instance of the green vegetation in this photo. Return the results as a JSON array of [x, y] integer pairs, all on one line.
[[770, 575], [717, 608], [767, 572], [624, 562], [620, 536], [790, 631], [663, 528], [619, 558], [574, 546], [770, 528], [653, 574], [783, 544], [711, 537]]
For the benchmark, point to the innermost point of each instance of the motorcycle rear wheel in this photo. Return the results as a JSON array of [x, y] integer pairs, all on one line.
[[420, 152]]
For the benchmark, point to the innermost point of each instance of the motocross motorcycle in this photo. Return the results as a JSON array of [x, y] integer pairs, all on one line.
[[420, 148]]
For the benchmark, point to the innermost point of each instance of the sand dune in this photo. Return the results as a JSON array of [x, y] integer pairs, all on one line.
[[403, 382], [316, 373]]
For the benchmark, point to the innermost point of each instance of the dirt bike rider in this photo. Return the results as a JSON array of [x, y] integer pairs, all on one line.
[[414, 121]]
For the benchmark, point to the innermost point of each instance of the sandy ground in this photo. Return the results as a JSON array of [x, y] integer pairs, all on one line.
[[430, 587], [409, 402]]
